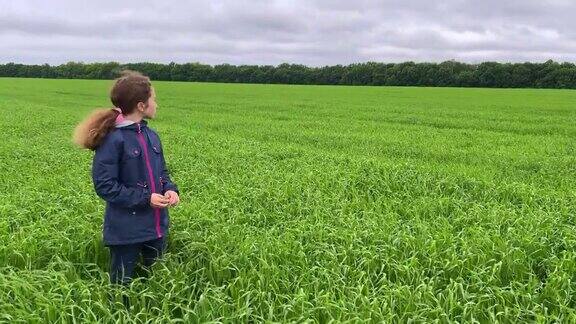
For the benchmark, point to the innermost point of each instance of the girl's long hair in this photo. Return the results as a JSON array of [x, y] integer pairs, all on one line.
[[128, 90]]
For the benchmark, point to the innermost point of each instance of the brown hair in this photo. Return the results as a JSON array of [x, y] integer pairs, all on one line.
[[128, 90]]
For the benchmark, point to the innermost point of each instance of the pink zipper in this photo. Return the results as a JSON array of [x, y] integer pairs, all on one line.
[[151, 178]]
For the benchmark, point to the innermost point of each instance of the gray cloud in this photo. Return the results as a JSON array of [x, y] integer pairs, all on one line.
[[311, 32]]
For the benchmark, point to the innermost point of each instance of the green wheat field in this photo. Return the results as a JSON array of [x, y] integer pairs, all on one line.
[[303, 204]]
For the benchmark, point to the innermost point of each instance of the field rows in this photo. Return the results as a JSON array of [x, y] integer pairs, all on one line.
[[303, 203]]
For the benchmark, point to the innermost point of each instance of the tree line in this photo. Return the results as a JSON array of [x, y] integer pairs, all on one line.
[[549, 74]]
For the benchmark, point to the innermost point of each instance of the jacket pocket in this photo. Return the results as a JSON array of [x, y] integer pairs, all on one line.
[[155, 144]]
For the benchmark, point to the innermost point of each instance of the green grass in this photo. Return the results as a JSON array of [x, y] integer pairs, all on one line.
[[303, 203]]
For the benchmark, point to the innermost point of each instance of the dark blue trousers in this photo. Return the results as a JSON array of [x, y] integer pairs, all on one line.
[[124, 258]]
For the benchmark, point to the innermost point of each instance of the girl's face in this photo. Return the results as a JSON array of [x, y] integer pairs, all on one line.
[[149, 111]]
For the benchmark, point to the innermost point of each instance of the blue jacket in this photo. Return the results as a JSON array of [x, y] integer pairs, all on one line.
[[127, 168]]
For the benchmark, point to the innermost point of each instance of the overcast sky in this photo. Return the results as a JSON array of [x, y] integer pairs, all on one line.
[[311, 32]]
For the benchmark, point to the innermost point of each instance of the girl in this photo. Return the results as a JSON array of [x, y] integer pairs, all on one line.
[[129, 173]]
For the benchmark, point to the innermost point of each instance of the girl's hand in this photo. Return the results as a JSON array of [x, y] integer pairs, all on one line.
[[159, 201], [173, 198]]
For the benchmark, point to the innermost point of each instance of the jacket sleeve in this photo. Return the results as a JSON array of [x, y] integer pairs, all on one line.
[[168, 184], [105, 170]]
